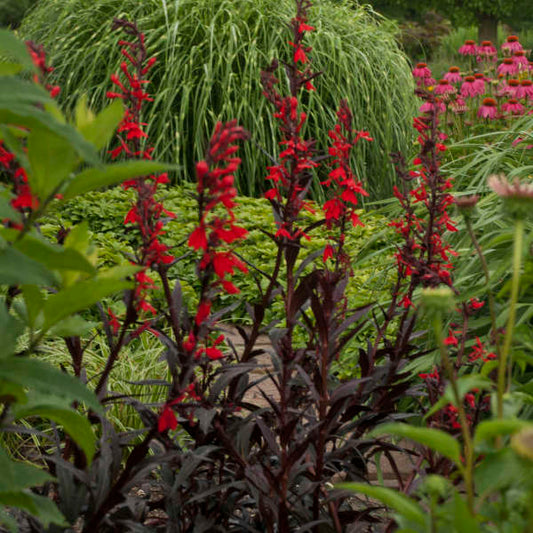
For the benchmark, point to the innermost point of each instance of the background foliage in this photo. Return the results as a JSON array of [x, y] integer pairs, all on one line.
[[210, 52], [12, 11]]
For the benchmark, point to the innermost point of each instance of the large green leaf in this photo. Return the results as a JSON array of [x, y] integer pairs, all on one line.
[[10, 328], [18, 91], [463, 521], [79, 296], [72, 326], [401, 503], [30, 116], [489, 429], [95, 178], [435, 439], [76, 425], [14, 48], [42, 377], [100, 130], [17, 476], [14, 143], [502, 470], [52, 159], [39, 506], [9, 69], [53, 256], [18, 269], [6, 211]]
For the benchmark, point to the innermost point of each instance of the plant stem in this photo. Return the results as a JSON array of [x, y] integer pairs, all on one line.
[[468, 470], [517, 258]]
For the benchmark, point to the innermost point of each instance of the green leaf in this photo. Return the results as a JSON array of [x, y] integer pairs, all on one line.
[[12, 392], [463, 521], [76, 425], [72, 326], [6, 211], [434, 439], [9, 69], [79, 296], [18, 269], [15, 49], [53, 256], [17, 476], [490, 429], [18, 91], [30, 116], [10, 329], [501, 470], [82, 114], [15, 146], [52, 159], [44, 378], [34, 300], [94, 178], [39, 506], [100, 130], [401, 503]]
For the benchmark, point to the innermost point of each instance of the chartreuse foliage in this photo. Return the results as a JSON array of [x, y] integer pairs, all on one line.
[[210, 53], [104, 211], [54, 282]]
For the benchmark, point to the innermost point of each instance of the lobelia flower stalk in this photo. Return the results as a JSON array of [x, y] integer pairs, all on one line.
[[147, 215]]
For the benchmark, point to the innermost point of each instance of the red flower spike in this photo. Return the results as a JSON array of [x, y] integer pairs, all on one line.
[[147, 213]]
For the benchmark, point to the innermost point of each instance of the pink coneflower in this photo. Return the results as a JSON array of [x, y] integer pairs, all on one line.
[[479, 82], [470, 89], [513, 107], [486, 50], [520, 59], [511, 89], [445, 88], [421, 71], [453, 75], [458, 106], [525, 90], [469, 48], [422, 74], [508, 67], [511, 44], [488, 109], [427, 107]]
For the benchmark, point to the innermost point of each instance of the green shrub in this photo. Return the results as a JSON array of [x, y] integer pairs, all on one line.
[[105, 213], [210, 53]]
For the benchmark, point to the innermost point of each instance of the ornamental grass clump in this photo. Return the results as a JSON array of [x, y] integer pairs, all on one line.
[[209, 53]]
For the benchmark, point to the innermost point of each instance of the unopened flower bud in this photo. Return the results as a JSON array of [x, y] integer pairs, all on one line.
[[438, 300], [466, 204]]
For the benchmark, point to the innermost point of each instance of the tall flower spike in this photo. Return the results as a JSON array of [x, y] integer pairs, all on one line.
[[147, 214], [290, 178], [343, 183], [216, 230]]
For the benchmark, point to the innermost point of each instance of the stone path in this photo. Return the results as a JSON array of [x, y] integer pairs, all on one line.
[[403, 461]]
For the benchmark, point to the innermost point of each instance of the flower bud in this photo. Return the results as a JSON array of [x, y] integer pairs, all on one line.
[[438, 300]]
